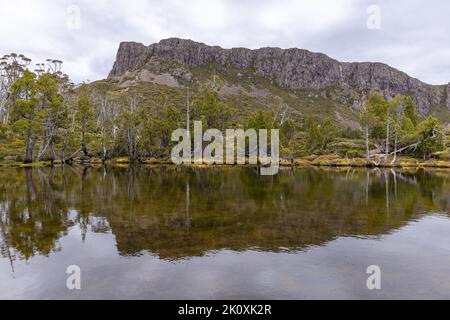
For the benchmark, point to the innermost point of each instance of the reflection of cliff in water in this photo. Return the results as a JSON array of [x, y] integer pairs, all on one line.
[[182, 212]]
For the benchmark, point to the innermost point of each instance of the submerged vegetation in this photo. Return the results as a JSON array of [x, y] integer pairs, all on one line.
[[44, 118]]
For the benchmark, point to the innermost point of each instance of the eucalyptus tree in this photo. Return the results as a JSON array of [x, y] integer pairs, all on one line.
[[52, 85], [106, 112], [329, 132], [52, 110], [213, 112], [314, 133], [377, 114], [130, 128], [397, 105], [430, 137], [84, 118], [26, 114], [12, 67]]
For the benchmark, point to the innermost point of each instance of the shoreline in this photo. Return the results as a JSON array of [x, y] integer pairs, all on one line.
[[319, 161]]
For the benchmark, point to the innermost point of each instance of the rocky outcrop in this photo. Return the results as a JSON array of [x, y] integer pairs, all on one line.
[[447, 94], [289, 68], [130, 55]]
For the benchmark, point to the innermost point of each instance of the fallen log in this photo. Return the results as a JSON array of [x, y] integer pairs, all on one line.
[[70, 159], [412, 146]]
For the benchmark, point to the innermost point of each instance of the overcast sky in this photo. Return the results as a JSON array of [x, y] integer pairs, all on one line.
[[411, 35]]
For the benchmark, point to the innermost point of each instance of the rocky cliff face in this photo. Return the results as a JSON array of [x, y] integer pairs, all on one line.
[[288, 68]]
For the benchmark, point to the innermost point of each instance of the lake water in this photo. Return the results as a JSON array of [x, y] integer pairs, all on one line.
[[224, 233]]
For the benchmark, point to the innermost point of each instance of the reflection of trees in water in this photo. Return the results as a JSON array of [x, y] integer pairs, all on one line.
[[33, 213], [180, 212]]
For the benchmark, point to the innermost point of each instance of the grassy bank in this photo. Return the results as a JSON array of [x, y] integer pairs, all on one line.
[[319, 161], [13, 164], [401, 162]]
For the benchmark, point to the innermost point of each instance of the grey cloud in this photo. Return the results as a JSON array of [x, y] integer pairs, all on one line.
[[414, 35]]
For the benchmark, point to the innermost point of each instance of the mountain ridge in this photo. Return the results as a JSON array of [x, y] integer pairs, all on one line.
[[288, 68]]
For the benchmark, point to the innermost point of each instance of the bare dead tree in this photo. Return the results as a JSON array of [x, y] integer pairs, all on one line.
[[106, 120], [388, 132], [398, 113]]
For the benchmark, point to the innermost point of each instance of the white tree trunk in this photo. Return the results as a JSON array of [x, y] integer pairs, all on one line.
[[387, 135]]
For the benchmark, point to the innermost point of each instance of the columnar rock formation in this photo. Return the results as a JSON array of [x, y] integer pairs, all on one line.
[[288, 68]]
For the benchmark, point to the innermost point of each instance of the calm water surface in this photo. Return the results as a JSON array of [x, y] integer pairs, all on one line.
[[183, 233]]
